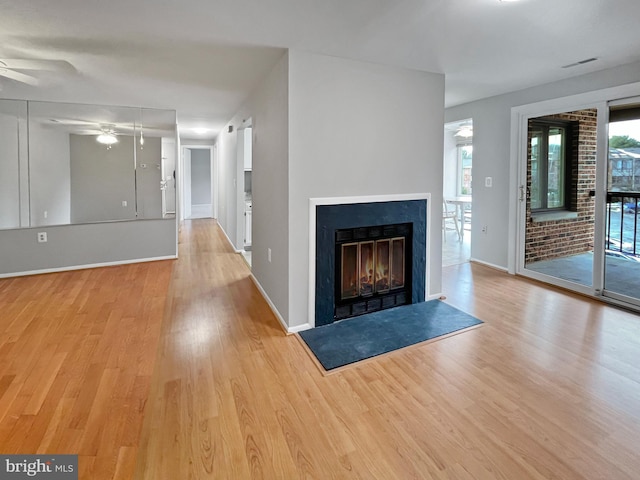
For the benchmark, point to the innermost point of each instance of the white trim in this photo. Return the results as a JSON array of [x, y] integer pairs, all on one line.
[[213, 187], [299, 328], [201, 211], [586, 290], [600, 204], [519, 117], [490, 265], [314, 202], [229, 240], [619, 300], [85, 267]]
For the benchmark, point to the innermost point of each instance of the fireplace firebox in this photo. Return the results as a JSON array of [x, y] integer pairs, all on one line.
[[373, 268]]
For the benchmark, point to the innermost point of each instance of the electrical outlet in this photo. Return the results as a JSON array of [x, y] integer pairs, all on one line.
[[484, 229], [124, 203], [269, 255], [42, 237]]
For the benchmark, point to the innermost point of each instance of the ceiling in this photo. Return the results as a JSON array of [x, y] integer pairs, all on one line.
[[203, 57]]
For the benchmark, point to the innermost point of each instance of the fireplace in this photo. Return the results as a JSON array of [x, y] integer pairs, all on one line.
[[369, 256], [371, 268]]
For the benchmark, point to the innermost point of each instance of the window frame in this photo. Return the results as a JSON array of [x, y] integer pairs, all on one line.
[[570, 130], [460, 169]]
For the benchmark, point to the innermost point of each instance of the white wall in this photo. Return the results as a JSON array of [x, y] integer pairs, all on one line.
[[200, 176], [267, 106], [491, 152], [227, 182], [359, 129], [450, 164], [318, 123], [270, 185], [77, 246]]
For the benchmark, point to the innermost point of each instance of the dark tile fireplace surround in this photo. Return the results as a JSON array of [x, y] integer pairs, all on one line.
[[369, 257]]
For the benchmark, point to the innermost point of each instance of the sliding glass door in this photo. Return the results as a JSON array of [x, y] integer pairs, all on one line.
[[622, 229], [579, 199], [559, 211]]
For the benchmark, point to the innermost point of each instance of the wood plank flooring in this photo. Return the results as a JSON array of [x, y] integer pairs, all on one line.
[[547, 388], [77, 352]]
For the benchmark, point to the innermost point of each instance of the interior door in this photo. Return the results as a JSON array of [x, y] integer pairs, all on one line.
[[622, 230]]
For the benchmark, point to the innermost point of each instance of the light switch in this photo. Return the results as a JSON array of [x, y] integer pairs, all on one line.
[[488, 182]]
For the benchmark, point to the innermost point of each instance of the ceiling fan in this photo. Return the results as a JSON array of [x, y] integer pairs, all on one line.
[[14, 68], [97, 126]]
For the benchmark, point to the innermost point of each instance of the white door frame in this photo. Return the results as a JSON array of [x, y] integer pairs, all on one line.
[[185, 179], [517, 206], [240, 198]]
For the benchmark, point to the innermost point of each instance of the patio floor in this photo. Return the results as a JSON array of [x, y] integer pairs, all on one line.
[[621, 276]]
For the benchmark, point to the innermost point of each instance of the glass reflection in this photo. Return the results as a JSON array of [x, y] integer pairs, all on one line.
[[72, 176]]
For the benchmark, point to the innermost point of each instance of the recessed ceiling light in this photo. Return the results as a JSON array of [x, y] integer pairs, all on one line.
[[200, 131]]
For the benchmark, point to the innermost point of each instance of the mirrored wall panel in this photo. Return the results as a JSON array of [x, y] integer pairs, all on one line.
[[71, 164], [13, 143]]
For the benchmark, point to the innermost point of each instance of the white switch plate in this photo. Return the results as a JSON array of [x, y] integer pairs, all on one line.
[[124, 203], [269, 255], [488, 182]]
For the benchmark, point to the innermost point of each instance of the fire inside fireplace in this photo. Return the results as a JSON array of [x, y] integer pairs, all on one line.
[[372, 268]]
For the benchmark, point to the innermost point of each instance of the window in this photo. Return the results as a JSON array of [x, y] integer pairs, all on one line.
[[549, 144], [465, 155]]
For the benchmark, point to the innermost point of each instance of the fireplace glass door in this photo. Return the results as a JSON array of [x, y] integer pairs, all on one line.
[[372, 267]]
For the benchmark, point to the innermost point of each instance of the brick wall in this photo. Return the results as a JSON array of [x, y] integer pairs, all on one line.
[[545, 240]]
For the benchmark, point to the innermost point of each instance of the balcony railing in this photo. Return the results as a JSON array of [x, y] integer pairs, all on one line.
[[622, 223]]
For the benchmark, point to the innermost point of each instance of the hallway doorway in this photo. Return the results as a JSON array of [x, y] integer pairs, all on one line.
[[457, 192], [198, 182]]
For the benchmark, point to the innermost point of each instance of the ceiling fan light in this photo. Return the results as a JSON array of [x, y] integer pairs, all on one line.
[[106, 138], [465, 132]]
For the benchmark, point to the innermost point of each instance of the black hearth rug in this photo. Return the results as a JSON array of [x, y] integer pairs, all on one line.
[[354, 339]]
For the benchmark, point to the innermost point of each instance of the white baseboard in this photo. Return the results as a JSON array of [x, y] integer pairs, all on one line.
[[271, 305], [299, 328], [201, 211], [85, 267], [229, 240], [491, 265]]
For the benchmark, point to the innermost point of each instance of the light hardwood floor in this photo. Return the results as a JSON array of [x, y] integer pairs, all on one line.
[[77, 352], [548, 387]]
